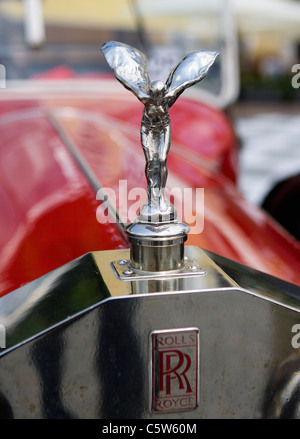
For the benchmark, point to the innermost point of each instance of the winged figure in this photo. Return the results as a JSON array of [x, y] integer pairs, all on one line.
[[130, 68]]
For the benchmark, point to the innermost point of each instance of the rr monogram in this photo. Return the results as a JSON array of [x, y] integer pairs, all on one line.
[[168, 371], [175, 370]]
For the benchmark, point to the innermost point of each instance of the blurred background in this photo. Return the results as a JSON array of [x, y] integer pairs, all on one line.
[[255, 80]]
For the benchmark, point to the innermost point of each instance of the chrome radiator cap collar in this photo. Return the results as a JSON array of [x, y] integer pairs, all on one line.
[[157, 247]]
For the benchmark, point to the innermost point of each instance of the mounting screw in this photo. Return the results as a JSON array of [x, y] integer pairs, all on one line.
[[192, 268], [128, 272], [122, 262]]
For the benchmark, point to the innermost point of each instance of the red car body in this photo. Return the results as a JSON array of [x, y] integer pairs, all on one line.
[[58, 148]]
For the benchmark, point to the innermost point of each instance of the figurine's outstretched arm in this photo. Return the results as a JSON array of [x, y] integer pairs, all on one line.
[[129, 66], [192, 69]]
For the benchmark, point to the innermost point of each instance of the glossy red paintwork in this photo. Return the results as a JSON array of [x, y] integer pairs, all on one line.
[[48, 207]]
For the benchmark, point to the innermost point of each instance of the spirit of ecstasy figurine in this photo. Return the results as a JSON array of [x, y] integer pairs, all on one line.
[[130, 68]]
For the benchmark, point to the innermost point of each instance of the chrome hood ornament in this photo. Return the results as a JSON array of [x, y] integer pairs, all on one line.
[[157, 221], [130, 68]]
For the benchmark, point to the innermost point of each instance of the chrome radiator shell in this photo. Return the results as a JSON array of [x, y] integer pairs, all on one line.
[[78, 340]]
